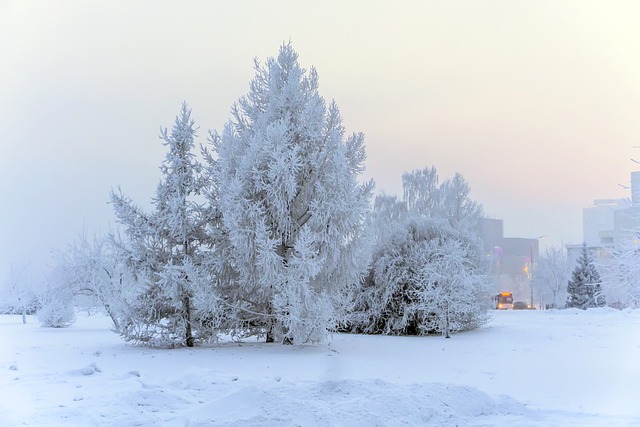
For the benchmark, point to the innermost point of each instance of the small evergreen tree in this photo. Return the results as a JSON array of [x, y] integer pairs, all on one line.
[[585, 288], [165, 250]]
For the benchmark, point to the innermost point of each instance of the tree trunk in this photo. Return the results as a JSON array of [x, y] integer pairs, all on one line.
[[281, 250], [446, 324], [270, 324], [105, 304], [114, 318], [187, 314], [186, 301]]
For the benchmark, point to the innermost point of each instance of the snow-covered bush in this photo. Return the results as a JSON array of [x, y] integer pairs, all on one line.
[[428, 274], [585, 287], [56, 308], [292, 207]]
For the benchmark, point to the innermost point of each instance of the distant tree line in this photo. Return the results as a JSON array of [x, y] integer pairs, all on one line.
[[587, 282]]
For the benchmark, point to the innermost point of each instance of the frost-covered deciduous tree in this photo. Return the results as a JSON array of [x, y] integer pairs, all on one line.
[[621, 277], [92, 268], [458, 286], [19, 292], [550, 277], [428, 273], [165, 250], [291, 204], [584, 289]]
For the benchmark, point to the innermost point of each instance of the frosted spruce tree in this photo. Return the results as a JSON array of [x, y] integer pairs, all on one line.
[[291, 203], [428, 273], [164, 250], [584, 289]]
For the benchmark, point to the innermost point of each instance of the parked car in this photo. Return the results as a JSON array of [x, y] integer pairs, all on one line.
[[521, 305]]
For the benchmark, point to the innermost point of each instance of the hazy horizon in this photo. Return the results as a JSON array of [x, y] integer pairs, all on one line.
[[536, 104]]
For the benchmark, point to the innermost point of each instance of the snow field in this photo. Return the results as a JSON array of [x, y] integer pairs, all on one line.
[[525, 368]]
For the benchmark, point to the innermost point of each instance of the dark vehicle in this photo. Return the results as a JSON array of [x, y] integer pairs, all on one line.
[[521, 305], [503, 301]]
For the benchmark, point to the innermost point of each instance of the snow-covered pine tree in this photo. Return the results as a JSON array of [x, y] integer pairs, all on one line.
[[164, 249], [292, 204], [585, 289], [428, 273]]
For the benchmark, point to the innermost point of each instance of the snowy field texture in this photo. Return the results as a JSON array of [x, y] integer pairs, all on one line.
[[524, 368]]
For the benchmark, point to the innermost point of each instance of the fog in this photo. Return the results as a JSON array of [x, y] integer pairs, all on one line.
[[535, 103]]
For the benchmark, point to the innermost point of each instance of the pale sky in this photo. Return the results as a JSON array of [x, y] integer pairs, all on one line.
[[536, 104]]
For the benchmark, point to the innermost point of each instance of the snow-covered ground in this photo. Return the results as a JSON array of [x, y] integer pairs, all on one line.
[[525, 368]]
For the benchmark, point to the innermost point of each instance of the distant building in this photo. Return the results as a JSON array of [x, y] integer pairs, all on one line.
[[510, 259], [610, 224], [598, 221], [626, 227]]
